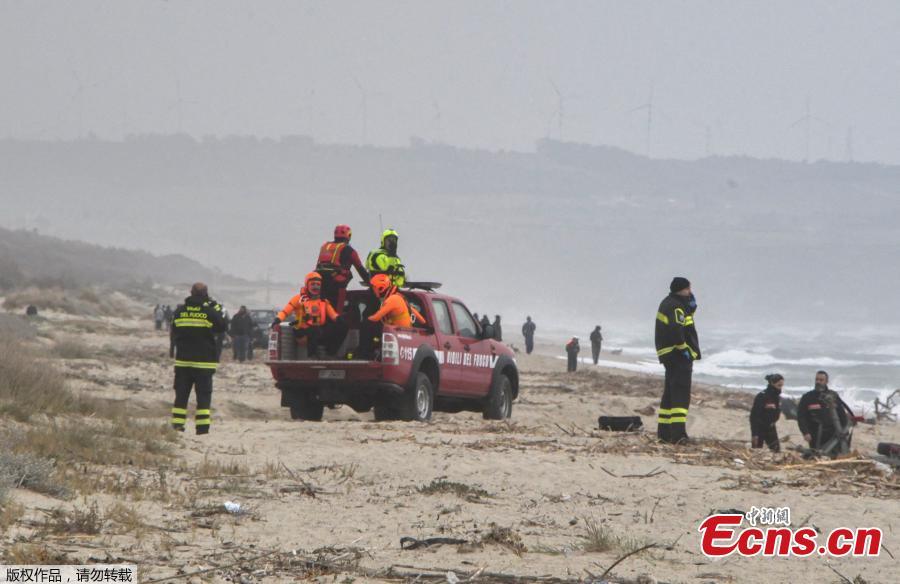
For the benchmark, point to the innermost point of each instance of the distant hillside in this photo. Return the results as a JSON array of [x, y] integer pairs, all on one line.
[[27, 257], [569, 232]]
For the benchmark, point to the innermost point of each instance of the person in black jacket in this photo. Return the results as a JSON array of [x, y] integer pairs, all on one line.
[[195, 325], [677, 347], [498, 329], [596, 343], [572, 350], [765, 413], [528, 332], [240, 329], [822, 415]]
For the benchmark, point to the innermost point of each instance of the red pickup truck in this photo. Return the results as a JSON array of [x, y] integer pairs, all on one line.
[[448, 364]]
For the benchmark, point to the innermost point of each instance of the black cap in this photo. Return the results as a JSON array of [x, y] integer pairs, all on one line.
[[678, 284]]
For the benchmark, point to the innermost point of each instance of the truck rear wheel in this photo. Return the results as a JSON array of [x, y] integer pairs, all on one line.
[[307, 407], [417, 405], [499, 401]]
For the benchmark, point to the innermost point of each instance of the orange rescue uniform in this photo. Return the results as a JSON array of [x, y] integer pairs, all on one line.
[[395, 311], [309, 312]]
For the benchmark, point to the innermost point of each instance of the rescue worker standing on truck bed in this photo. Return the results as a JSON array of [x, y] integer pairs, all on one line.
[[820, 412], [195, 325], [334, 263], [317, 321], [384, 260], [395, 310], [677, 347], [765, 413]]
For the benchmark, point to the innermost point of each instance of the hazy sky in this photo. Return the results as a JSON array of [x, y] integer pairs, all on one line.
[[726, 77]]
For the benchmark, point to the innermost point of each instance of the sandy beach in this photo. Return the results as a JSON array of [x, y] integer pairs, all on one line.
[[545, 494]]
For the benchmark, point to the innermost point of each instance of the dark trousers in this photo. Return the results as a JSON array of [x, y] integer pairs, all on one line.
[[241, 347], [330, 336], [369, 332], [529, 345], [334, 292], [159, 324], [676, 399], [573, 362], [595, 351], [200, 380], [768, 436]]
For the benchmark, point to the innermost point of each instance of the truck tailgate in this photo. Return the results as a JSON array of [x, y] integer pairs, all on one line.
[[333, 371]]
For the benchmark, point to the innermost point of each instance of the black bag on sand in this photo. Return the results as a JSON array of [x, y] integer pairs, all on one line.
[[621, 423], [888, 449]]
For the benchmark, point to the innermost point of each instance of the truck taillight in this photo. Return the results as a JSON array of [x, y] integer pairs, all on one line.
[[273, 343], [390, 349]]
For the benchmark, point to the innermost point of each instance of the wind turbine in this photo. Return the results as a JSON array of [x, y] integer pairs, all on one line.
[[364, 107], [79, 95], [179, 102], [807, 121], [560, 113], [437, 119], [849, 144], [649, 107]]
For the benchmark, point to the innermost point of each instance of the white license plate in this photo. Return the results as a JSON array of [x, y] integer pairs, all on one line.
[[330, 374]]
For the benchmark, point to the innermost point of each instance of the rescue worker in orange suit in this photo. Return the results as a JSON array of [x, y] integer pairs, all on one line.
[[336, 258], [192, 343], [395, 310], [765, 413], [316, 320], [677, 347]]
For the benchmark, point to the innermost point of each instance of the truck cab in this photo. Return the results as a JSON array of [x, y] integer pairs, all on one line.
[[446, 364]]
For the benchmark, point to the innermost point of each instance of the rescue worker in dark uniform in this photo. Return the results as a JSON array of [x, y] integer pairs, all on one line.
[[822, 415], [195, 325], [572, 350], [336, 258], [765, 413], [528, 332], [498, 329], [596, 342], [384, 260], [677, 347]]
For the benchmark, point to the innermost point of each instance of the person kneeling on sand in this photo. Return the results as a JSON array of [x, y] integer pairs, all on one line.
[[765, 413], [823, 417]]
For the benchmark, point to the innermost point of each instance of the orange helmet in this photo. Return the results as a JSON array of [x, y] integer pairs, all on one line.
[[311, 277], [381, 285], [343, 232]]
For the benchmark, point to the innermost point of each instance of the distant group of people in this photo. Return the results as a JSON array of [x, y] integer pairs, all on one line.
[[573, 347], [484, 322], [162, 316], [824, 419]]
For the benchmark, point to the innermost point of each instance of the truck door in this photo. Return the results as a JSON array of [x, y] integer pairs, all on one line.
[[449, 348], [477, 362]]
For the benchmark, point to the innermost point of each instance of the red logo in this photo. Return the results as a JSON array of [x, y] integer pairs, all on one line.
[[721, 536]]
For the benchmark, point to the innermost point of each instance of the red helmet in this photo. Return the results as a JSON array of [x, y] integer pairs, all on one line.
[[343, 232], [381, 284]]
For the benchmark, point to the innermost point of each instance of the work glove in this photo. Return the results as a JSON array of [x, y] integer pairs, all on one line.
[[276, 322], [687, 355]]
